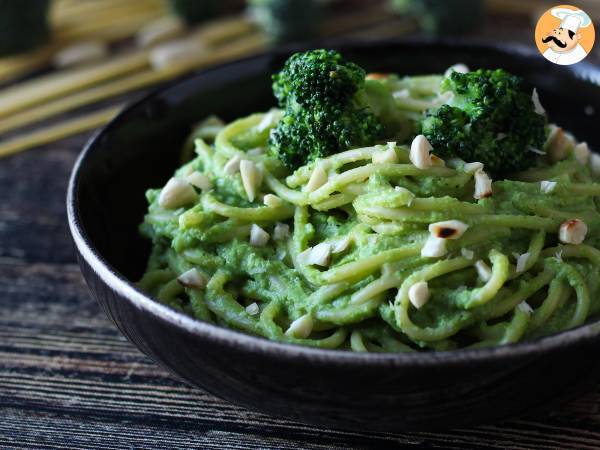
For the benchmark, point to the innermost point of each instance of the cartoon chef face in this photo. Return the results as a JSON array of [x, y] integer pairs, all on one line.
[[562, 40]]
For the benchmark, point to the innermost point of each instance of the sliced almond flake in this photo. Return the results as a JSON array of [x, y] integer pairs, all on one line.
[[385, 156], [199, 180], [522, 261], [419, 294], [473, 167], [524, 307], [251, 178], [434, 247], [252, 309], [483, 270], [339, 245], [572, 231], [537, 106], [233, 165], [547, 187], [582, 153], [419, 152], [193, 278], [483, 185], [272, 201], [537, 151], [319, 255], [258, 236], [448, 229], [176, 193], [558, 143]]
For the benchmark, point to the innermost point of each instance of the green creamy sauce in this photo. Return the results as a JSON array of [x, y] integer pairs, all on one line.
[[355, 301]]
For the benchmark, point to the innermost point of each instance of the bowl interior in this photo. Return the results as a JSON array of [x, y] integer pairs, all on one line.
[[140, 148]]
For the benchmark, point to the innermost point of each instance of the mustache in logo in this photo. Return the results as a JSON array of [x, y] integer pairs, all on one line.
[[555, 40]]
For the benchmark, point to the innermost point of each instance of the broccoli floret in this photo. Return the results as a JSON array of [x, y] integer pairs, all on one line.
[[317, 78], [490, 118], [321, 95], [300, 137]]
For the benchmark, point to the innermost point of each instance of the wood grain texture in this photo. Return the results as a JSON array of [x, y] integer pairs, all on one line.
[[68, 379]]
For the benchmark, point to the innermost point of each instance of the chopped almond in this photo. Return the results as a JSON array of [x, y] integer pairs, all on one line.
[[572, 231], [199, 180], [434, 247], [192, 279], [419, 294], [483, 270], [419, 152], [483, 185], [448, 229], [176, 193], [258, 236]]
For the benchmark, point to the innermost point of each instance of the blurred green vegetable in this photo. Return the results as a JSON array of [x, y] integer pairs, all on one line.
[[441, 17], [23, 25], [195, 11], [287, 20]]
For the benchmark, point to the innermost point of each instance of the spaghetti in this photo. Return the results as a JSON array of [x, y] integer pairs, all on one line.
[[363, 250]]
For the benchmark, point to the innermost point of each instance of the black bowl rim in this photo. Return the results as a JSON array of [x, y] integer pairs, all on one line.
[[259, 345]]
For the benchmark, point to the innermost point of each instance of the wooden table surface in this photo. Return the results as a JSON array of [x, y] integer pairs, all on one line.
[[68, 379]]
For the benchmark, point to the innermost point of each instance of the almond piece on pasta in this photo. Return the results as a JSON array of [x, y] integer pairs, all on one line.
[[251, 178], [319, 255], [434, 247], [418, 294], [419, 152], [448, 229], [176, 193], [192, 279], [258, 236], [199, 180], [483, 185], [572, 231]]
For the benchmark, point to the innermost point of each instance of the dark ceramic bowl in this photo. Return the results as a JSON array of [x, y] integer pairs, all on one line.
[[139, 149]]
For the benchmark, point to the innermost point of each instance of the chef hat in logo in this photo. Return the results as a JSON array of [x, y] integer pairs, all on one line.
[[572, 19]]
